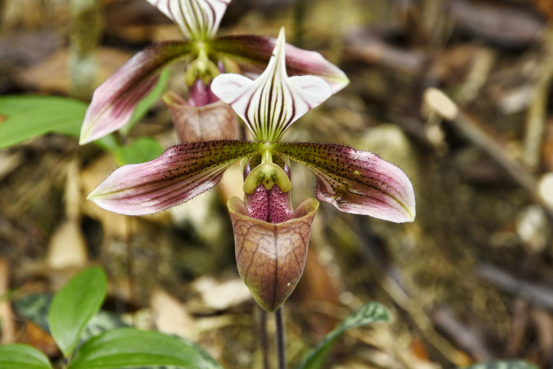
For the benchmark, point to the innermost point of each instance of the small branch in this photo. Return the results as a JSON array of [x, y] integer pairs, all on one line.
[[437, 102], [538, 295], [537, 112], [280, 338]]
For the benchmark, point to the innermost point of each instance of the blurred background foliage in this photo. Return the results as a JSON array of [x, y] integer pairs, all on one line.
[[470, 280]]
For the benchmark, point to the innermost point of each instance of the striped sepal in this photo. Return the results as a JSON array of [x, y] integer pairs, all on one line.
[[270, 104], [198, 19]]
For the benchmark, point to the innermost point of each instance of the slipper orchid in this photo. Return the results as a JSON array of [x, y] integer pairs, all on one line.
[[271, 238], [206, 57]]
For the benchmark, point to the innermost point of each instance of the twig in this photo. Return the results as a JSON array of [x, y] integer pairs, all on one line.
[[439, 103], [537, 111], [541, 296], [465, 337], [398, 294], [280, 338]]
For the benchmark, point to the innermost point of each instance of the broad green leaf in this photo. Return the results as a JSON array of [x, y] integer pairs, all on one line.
[[504, 364], [146, 104], [108, 142], [130, 348], [35, 309], [140, 150], [24, 117], [22, 357], [367, 314], [74, 305]]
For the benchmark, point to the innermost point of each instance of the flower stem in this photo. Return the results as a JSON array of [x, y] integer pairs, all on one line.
[[280, 338], [263, 338]]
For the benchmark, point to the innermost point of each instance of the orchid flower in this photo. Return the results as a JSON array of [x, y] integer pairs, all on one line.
[[271, 238], [203, 117]]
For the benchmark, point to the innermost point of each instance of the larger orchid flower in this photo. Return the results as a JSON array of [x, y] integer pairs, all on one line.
[[271, 238], [203, 117]]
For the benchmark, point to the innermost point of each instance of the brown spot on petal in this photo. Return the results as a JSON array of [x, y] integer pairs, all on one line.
[[215, 121], [3, 118], [271, 257]]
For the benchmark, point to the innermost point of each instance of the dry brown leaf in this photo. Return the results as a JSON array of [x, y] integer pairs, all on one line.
[[6, 313], [67, 247], [36, 337], [170, 315], [51, 75], [114, 225], [219, 295]]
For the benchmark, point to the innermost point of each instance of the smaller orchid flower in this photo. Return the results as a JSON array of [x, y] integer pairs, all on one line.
[[271, 238], [203, 117]]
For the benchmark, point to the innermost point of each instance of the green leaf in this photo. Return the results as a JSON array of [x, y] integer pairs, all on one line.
[[504, 364], [130, 348], [367, 314], [146, 103], [139, 151], [24, 117], [74, 305], [22, 357]]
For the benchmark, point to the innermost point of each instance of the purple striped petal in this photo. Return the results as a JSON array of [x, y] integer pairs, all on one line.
[[252, 53], [354, 181], [198, 19], [179, 174], [114, 102], [270, 104]]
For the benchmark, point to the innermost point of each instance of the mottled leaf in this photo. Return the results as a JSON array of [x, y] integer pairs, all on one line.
[[504, 364], [367, 314]]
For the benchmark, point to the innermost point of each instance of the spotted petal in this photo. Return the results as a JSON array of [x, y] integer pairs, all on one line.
[[252, 53], [179, 174], [354, 181], [270, 104], [114, 102], [198, 19]]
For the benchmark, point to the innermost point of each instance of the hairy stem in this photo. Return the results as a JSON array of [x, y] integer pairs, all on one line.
[[263, 338], [280, 338]]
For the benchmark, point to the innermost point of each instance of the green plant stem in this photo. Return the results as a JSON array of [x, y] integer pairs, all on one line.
[[299, 16], [263, 338], [130, 266], [280, 338], [86, 31]]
